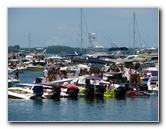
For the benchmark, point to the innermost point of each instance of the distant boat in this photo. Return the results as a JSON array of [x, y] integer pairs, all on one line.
[[31, 67], [117, 48], [74, 55], [12, 81], [95, 50]]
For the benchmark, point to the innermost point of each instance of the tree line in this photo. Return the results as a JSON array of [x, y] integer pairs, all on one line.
[[54, 49]]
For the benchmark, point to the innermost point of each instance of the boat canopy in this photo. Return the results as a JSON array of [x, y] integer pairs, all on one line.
[[73, 55], [117, 48], [95, 78]]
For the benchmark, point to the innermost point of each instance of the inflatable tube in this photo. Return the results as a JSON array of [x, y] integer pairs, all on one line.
[[110, 93], [82, 90]]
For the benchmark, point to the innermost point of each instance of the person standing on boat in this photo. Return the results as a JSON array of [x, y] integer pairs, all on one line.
[[16, 74], [45, 74]]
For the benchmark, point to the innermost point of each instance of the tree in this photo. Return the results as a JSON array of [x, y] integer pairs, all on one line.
[[17, 46]]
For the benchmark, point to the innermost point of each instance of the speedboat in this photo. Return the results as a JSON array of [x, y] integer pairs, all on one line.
[[32, 67], [35, 92], [19, 93], [12, 81]]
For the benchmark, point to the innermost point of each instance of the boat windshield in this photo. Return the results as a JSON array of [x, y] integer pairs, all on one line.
[[154, 73]]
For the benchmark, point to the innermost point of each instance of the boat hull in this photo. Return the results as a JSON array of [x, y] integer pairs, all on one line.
[[34, 68]]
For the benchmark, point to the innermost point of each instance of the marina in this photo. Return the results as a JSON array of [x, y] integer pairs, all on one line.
[[93, 84], [84, 88]]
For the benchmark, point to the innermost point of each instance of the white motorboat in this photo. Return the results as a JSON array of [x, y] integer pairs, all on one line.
[[20, 69], [31, 67], [12, 81], [19, 93], [153, 83], [35, 92]]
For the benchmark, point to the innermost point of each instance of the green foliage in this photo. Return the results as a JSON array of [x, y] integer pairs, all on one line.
[[17, 46], [58, 49], [13, 48], [128, 52], [55, 49]]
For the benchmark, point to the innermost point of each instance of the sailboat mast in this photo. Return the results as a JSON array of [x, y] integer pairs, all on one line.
[[81, 29], [29, 43], [134, 33]]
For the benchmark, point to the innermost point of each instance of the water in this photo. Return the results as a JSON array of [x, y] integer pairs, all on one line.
[[82, 109]]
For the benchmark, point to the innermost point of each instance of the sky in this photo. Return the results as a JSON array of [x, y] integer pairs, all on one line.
[[62, 26]]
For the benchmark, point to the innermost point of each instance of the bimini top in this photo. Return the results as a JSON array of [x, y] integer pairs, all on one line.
[[117, 48]]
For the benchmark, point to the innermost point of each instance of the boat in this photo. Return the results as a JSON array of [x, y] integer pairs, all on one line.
[[152, 83], [66, 87], [49, 92], [26, 93], [20, 69], [93, 86], [19, 93], [153, 93], [31, 67], [14, 64], [133, 58], [95, 51], [11, 70], [141, 94], [73, 55], [12, 81]]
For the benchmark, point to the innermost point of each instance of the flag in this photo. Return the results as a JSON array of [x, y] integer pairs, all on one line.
[[44, 51], [76, 53]]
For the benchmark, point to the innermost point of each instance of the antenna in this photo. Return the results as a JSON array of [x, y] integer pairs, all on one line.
[[134, 33], [29, 42], [81, 29]]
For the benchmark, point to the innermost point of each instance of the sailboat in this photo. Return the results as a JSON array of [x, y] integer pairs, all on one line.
[[73, 55], [36, 60]]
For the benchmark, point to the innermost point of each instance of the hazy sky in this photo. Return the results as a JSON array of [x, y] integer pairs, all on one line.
[[61, 26]]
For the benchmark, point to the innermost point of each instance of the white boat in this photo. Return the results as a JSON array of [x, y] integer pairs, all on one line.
[[48, 88], [11, 70], [20, 69], [19, 93], [32, 67], [153, 83], [12, 81], [133, 58], [95, 50], [34, 92], [53, 58], [153, 71]]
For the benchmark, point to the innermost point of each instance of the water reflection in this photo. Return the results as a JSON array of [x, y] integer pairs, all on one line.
[[84, 109]]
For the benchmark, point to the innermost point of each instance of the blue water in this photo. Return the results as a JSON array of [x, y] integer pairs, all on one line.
[[82, 109]]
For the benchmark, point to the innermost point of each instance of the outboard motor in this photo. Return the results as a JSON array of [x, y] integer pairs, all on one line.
[[87, 81], [120, 92], [56, 92], [89, 91], [38, 92], [73, 91]]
